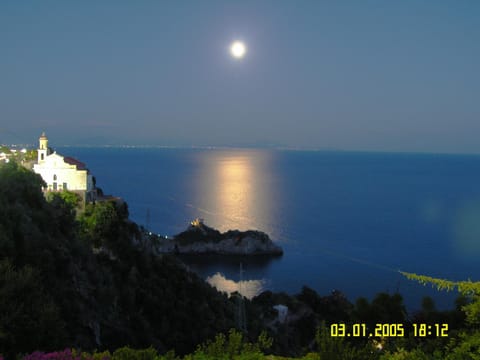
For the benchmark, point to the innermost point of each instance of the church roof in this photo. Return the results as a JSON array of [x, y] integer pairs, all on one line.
[[73, 161]]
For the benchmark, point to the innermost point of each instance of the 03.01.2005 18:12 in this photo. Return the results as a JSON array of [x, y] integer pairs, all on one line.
[[387, 330]]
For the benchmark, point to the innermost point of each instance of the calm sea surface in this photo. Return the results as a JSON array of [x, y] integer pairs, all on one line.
[[346, 221]]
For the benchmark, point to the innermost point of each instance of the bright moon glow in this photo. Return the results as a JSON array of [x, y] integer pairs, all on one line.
[[238, 49]]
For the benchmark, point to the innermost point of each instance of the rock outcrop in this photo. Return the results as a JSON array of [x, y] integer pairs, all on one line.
[[199, 238]]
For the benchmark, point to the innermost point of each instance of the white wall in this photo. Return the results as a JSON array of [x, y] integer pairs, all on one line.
[[65, 173]]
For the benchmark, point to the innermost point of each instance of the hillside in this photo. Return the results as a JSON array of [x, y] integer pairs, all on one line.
[[57, 291], [81, 281]]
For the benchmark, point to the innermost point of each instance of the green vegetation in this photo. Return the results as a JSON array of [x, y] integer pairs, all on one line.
[[24, 158], [72, 279], [78, 297], [198, 234], [465, 343], [5, 149], [469, 289], [29, 318]]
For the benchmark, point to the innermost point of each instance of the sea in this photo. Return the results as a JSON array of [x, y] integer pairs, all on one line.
[[347, 221]]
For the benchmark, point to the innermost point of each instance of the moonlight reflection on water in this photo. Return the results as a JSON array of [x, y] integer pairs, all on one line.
[[236, 190], [248, 288]]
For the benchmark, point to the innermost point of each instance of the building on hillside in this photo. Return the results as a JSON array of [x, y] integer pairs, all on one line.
[[19, 155], [63, 172]]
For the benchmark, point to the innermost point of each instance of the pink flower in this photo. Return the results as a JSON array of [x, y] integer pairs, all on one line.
[[58, 355]]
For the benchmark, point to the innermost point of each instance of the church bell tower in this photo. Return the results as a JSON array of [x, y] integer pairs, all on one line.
[[42, 148]]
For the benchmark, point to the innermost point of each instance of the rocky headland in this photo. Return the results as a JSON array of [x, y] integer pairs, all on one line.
[[199, 238]]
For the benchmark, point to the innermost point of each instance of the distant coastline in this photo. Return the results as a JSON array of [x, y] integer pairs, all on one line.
[[264, 147]]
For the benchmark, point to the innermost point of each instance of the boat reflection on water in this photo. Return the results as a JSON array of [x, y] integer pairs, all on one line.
[[248, 288]]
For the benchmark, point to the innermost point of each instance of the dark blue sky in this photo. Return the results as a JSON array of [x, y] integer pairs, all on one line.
[[352, 75]]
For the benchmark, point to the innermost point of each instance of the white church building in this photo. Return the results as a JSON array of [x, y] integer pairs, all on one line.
[[63, 172]]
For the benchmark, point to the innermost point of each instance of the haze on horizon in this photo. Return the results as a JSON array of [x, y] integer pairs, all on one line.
[[370, 75]]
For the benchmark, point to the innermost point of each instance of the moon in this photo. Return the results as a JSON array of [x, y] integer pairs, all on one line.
[[238, 49]]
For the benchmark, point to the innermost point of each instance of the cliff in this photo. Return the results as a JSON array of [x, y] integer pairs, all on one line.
[[199, 238]]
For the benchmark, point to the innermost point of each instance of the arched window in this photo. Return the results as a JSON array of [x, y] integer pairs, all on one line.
[[54, 177], [41, 156]]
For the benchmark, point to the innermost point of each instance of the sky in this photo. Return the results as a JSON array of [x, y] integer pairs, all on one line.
[[337, 75]]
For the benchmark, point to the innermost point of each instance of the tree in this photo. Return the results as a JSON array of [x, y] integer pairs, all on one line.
[[384, 308], [467, 345], [467, 288], [101, 223], [29, 319]]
